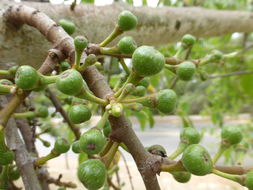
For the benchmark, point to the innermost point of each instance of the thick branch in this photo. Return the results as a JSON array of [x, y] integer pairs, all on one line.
[[165, 24]]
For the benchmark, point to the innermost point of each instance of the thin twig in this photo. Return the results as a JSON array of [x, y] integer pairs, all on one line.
[[231, 74], [127, 168], [59, 108]]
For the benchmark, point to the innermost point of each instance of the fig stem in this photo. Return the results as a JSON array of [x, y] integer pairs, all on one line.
[[109, 50], [42, 160], [4, 176], [219, 153], [132, 78], [174, 167], [77, 60], [49, 79], [236, 178], [103, 120], [4, 89], [5, 72], [3, 146], [123, 64], [181, 49], [29, 114], [239, 157], [108, 158], [116, 32], [136, 100], [106, 148], [180, 149], [85, 94]]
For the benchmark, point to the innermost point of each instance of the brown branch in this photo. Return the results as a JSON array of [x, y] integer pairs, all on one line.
[[59, 108], [58, 182]]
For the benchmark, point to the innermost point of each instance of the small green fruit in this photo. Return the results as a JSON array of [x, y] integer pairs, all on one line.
[[70, 82], [147, 61], [26, 77], [182, 176], [92, 174], [6, 158], [92, 141], [42, 111], [167, 101], [197, 160], [79, 113], [139, 91], [61, 145], [127, 45], [127, 20], [249, 180], [157, 150], [6, 82], [76, 147], [64, 66], [215, 56], [80, 43], [186, 70], [189, 136], [67, 25], [144, 82], [188, 39], [107, 129], [231, 135], [117, 109]]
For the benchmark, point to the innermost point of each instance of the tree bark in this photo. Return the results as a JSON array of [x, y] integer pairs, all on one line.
[[156, 26]]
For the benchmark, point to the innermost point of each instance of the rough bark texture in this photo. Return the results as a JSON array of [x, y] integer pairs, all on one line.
[[165, 24]]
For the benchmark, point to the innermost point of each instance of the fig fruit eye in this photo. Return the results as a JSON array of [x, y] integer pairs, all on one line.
[[70, 82], [92, 141], [127, 20], [147, 61], [79, 113]]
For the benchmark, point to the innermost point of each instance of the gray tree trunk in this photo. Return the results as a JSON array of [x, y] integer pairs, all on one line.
[[156, 26]]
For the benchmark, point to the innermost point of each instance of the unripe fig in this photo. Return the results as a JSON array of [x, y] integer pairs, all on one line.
[[167, 101], [249, 180], [64, 66], [26, 77], [157, 150], [79, 113], [116, 109], [197, 160], [42, 111], [92, 141], [76, 147], [182, 176], [186, 70], [139, 91], [92, 174], [61, 145], [127, 20], [6, 82], [127, 45], [6, 157], [190, 135], [67, 25], [147, 61], [231, 135], [70, 82], [188, 39], [80, 43], [216, 56], [107, 129], [144, 82]]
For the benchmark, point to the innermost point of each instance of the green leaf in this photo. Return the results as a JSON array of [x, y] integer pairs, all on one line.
[[131, 2]]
